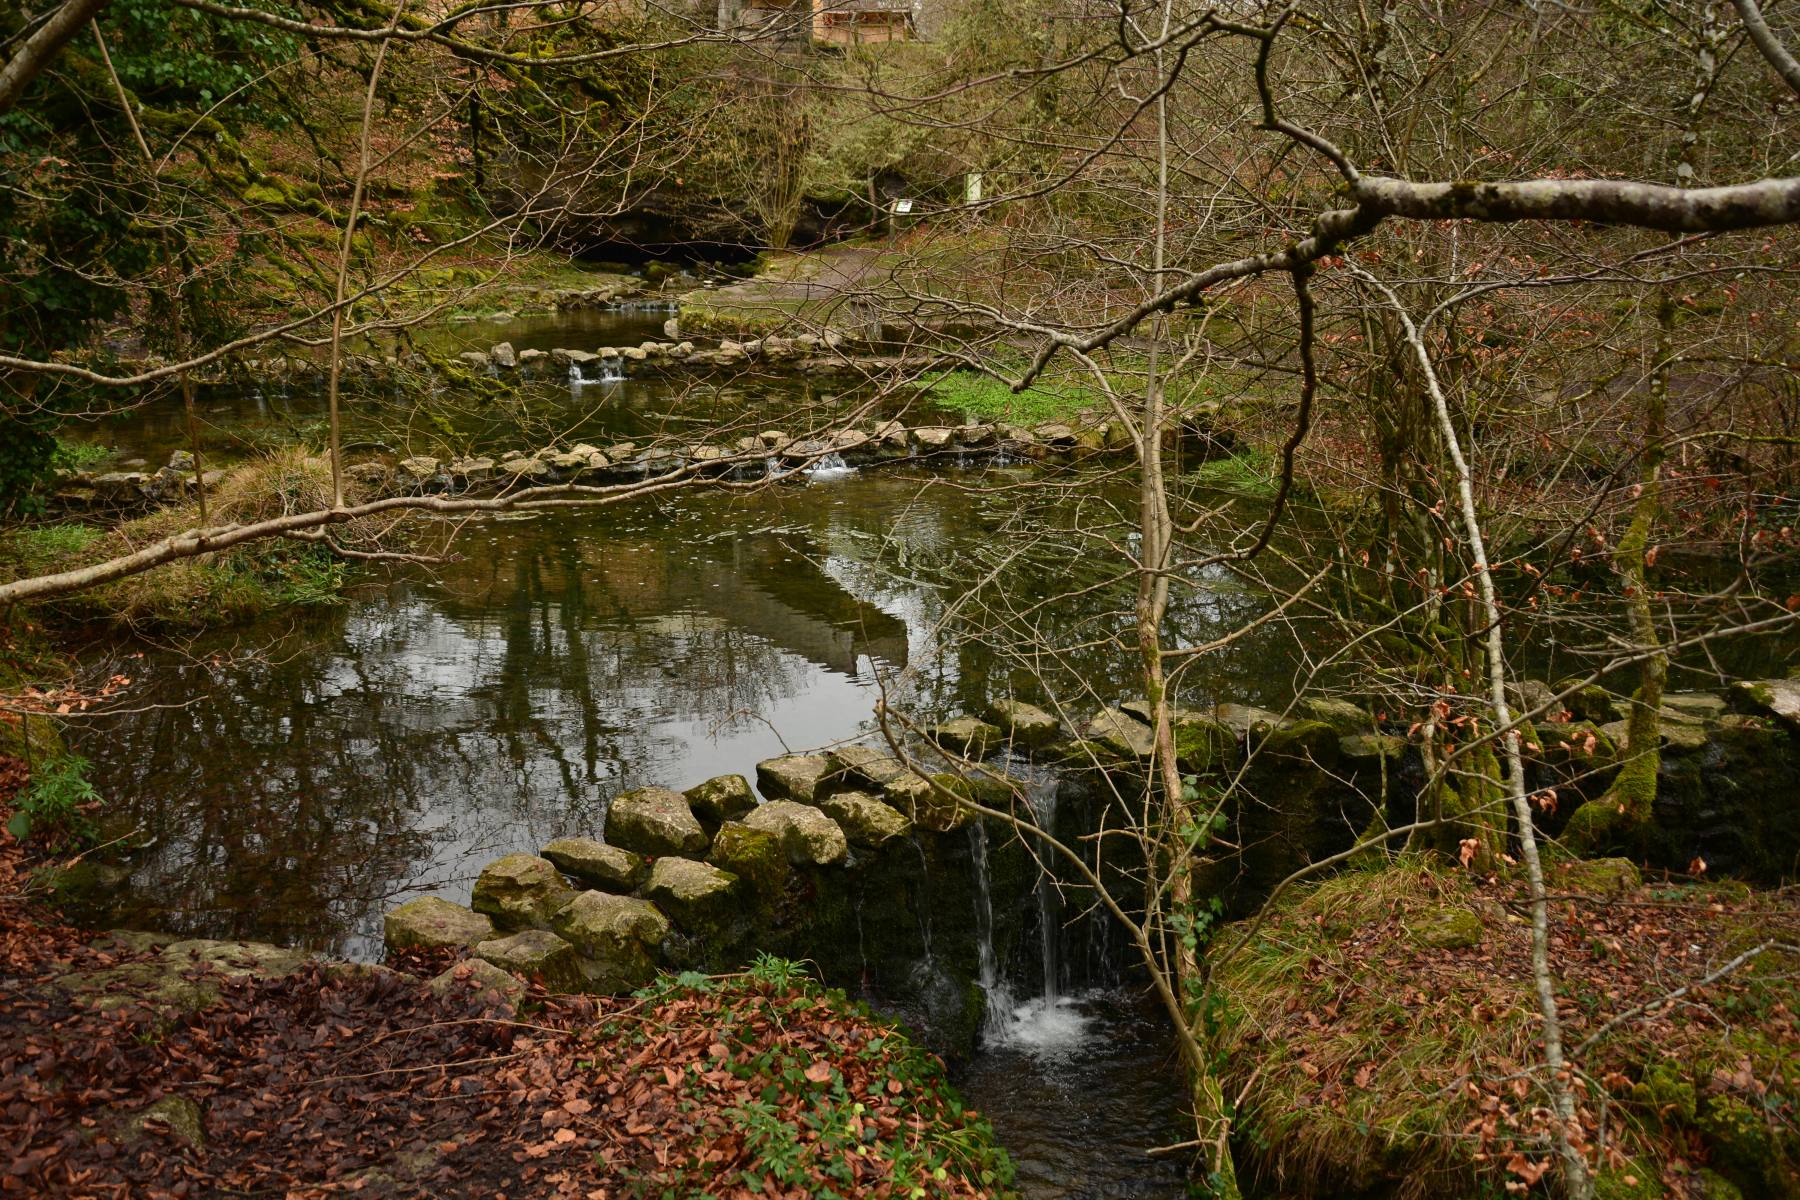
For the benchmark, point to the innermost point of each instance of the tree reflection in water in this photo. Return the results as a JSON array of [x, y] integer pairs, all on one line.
[[401, 743]]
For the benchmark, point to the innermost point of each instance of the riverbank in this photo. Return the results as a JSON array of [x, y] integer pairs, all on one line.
[[1380, 1030], [135, 1064]]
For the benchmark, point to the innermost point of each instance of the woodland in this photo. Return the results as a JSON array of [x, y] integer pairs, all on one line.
[[1248, 552]]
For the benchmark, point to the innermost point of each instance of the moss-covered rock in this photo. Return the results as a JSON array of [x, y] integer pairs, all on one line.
[[1024, 725], [809, 837], [618, 938], [702, 899], [969, 736], [1122, 734], [535, 954], [479, 977], [755, 856], [725, 798], [520, 891], [596, 864], [1347, 719], [654, 821], [795, 777], [1446, 928], [432, 923], [859, 767], [177, 1115], [865, 820]]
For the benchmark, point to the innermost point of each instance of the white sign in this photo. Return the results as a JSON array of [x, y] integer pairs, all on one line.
[[903, 206]]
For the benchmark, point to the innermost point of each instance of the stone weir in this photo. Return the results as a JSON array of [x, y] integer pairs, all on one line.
[[876, 872], [849, 860], [770, 453]]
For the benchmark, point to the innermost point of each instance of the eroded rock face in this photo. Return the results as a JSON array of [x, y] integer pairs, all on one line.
[[701, 898], [520, 891], [607, 868], [655, 821], [432, 923], [792, 777], [725, 798], [809, 837], [617, 938], [865, 820], [538, 954]]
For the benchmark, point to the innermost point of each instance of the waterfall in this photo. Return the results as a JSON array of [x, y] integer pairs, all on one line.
[[1050, 1022], [1042, 798], [998, 1017], [611, 370], [830, 466]]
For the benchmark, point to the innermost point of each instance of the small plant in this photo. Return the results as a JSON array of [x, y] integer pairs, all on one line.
[[70, 457], [56, 801], [776, 972]]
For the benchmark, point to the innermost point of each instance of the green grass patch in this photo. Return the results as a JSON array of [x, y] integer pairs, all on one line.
[[984, 398]]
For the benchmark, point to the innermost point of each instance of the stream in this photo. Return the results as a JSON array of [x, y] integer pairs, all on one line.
[[302, 775]]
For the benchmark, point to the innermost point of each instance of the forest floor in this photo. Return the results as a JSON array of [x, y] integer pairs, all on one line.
[[328, 1079], [1381, 1027]]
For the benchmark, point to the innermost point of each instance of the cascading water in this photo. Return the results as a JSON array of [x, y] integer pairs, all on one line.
[[609, 370], [830, 466], [1049, 1021], [997, 1020]]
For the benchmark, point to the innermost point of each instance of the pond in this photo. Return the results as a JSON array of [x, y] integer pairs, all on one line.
[[300, 777]]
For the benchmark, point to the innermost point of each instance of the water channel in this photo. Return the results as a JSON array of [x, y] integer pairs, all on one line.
[[301, 776]]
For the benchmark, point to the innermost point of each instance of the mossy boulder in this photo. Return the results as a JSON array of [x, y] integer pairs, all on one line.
[[808, 836], [866, 767], [654, 821], [535, 954], [865, 820], [596, 864], [702, 899], [480, 977], [1204, 746], [721, 799], [1775, 698], [795, 777], [1119, 732], [432, 923], [755, 856], [1247, 721], [1345, 718], [1447, 928], [618, 939], [520, 891], [1595, 877], [965, 735], [1023, 724], [178, 1116], [1370, 748]]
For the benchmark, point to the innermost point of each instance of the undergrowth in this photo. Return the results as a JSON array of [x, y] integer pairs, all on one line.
[[824, 1098], [1372, 1056], [211, 590]]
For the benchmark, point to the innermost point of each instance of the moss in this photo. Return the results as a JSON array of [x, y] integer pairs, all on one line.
[[1666, 1095], [1446, 929], [1635, 1180]]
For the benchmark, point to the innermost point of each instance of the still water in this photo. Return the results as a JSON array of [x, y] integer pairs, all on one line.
[[301, 776]]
